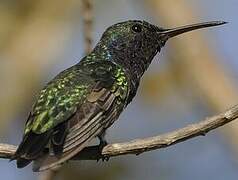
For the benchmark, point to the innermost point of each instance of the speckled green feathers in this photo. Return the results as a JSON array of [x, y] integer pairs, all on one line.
[[53, 114], [62, 96], [59, 100]]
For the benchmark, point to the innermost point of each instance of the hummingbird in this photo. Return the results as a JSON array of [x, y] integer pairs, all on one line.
[[83, 101]]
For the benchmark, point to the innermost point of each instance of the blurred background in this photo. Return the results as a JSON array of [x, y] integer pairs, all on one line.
[[195, 76]]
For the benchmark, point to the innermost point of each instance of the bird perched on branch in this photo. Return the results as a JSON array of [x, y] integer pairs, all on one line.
[[81, 102]]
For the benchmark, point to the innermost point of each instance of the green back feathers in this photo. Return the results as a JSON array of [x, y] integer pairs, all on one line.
[[58, 100], [61, 97]]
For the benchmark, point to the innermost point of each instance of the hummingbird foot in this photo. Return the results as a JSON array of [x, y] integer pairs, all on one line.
[[102, 144]]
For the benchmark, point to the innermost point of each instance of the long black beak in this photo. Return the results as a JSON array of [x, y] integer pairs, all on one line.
[[180, 30]]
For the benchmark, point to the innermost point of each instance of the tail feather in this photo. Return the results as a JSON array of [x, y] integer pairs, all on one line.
[[31, 148], [21, 162], [58, 138], [50, 162]]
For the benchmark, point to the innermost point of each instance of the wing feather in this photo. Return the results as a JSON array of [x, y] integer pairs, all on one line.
[[76, 113], [87, 126]]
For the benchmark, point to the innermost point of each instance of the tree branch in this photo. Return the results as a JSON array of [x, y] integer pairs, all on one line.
[[139, 146], [87, 13], [7, 151]]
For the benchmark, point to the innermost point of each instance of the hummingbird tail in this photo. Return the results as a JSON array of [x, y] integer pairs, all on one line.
[[47, 161], [31, 148], [21, 162], [82, 128]]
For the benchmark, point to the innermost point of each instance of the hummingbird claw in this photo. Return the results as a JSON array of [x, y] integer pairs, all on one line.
[[102, 144], [105, 158]]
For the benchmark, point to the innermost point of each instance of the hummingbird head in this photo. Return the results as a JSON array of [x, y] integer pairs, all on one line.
[[134, 43]]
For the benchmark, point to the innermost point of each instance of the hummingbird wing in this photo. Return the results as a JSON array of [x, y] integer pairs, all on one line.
[[90, 120], [55, 104], [100, 109], [64, 121]]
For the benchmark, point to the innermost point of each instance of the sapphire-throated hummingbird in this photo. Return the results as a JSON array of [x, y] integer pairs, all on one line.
[[81, 102]]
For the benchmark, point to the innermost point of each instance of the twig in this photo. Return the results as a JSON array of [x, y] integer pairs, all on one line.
[[139, 146], [7, 151], [87, 8]]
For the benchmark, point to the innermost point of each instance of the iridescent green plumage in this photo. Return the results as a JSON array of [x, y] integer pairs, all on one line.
[[83, 101], [59, 101], [61, 97]]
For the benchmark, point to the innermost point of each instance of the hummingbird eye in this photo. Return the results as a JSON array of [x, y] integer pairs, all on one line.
[[136, 28]]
